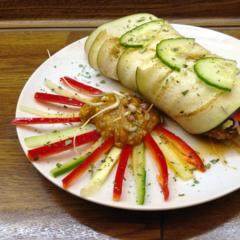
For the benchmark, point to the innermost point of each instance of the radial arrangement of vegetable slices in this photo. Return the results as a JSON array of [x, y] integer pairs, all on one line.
[[42, 146]]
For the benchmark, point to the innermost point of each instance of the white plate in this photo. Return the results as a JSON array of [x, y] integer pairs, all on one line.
[[216, 182]]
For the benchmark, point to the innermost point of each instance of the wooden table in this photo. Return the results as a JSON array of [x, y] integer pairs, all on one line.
[[33, 208]]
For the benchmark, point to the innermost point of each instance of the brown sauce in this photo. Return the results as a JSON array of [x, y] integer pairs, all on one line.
[[207, 146], [128, 123]]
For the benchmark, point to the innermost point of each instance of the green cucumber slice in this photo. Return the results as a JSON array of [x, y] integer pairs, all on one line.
[[217, 72], [101, 174], [173, 51], [119, 26], [142, 35], [138, 160], [112, 29], [71, 164], [48, 138]]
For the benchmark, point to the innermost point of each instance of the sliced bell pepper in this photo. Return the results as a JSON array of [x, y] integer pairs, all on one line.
[[118, 182], [63, 145], [190, 154], [20, 121], [80, 86], [160, 162], [84, 166], [47, 97], [236, 116]]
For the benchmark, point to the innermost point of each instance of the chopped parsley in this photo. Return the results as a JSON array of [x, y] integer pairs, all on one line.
[[58, 165], [91, 170], [214, 161], [185, 92], [208, 165], [181, 194]]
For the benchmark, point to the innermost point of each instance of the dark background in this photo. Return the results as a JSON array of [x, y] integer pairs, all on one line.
[[84, 9]]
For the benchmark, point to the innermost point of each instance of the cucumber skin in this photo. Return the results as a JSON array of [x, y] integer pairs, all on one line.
[[165, 62], [48, 138], [208, 82], [139, 174], [141, 189], [67, 167]]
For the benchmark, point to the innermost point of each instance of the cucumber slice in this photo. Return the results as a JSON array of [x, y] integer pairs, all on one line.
[[217, 72], [142, 35], [174, 161], [40, 113], [101, 174], [112, 29], [71, 164], [48, 138], [174, 52], [138, 160], [119, 26]]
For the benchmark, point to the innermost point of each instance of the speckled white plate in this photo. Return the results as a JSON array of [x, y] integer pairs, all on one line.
[[219, 180]]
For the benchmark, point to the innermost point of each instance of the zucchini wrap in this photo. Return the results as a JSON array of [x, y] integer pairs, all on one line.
[[194, 87]]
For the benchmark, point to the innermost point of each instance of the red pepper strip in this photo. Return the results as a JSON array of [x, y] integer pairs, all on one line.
[[19, 121], [80, 86], [191, 155], [63, 145], [47, 97], [161, 164], [84, 166], [118, 182], [236, 116]]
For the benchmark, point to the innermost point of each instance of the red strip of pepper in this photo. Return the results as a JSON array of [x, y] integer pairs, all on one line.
[[190, 154], [160, 162], [47, 97], [84, 166], [63, 145], [24, 121], [118, 182], [80, 86], [236, 116]]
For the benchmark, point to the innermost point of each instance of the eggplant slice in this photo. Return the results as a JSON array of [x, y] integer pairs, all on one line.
[[196, 106]]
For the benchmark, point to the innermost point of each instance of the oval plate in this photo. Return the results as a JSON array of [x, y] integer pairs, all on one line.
[[219, 180]]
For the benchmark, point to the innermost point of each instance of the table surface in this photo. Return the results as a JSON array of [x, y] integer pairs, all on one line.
[[33, 208]]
